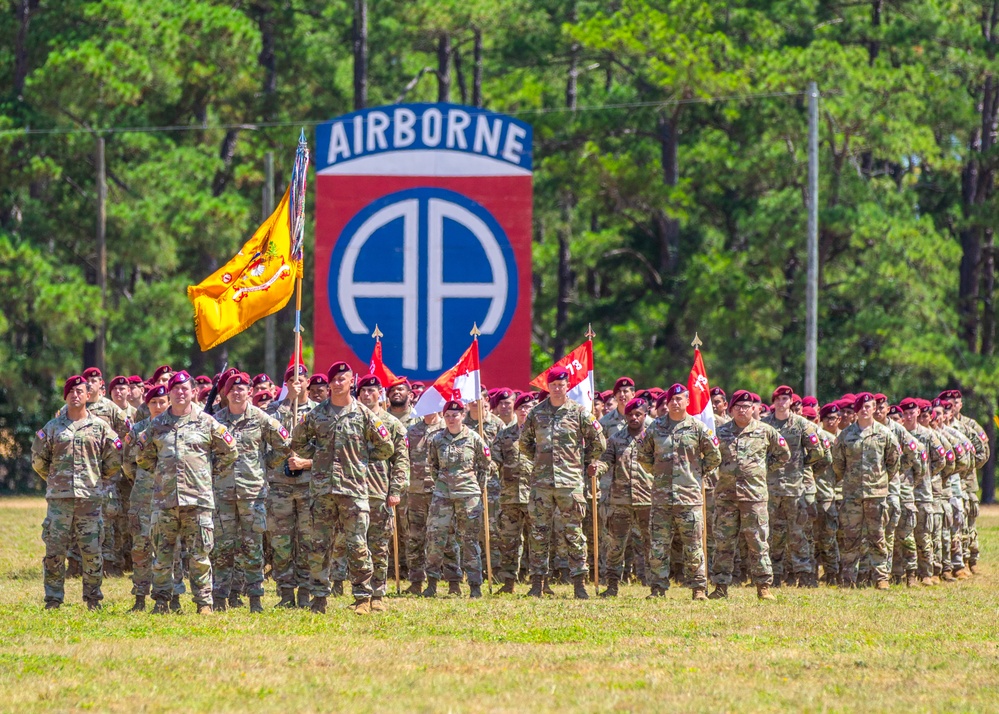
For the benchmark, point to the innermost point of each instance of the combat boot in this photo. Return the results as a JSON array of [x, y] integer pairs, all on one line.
[[910, 580], [546, 588], [961, 574], [255, 605], [537, 586], [304, 598], [140, 604], [415, 588], [361, 606], [162, 607], [719, 593], [561, 576], [579, 588], [220, 604], [777, 581], [235, 600], [973, 567], [318, 605], [175, 603], [377, 604], [881, 585], [699, 594], [431, 590], [93, 605], [204, 609], [611, 591], [52, 605], [475, 591], [926, 582], [507, 588], [337, 589], [947, 577], [655, 592], [935, 580], [453, 587], [287, 598], [763, 593]]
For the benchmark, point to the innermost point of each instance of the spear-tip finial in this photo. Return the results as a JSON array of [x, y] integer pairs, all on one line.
[[377, 334], [475, 331], [301, 136], [590, 334], [697, 342]]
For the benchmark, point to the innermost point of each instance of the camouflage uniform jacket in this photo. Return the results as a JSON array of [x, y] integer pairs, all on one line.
[[826, 488], [262, 442], [678, 454], [747, 455], [514, 467], [721, 419], [76, 459], [612, 421], [390, 477], [141, 499], [864, 460], [490, 429], [114, 415], [182, 452], [562, 442], [629, 483], [964, 460], [341, 441], [458, 463], [978, 437], [419, 435], [802, 437], [284, 412], [910, 461], [407, 420], [950, 464], [933, 464]]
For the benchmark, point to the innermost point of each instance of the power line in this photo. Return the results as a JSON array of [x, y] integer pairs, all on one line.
[[253, 126]]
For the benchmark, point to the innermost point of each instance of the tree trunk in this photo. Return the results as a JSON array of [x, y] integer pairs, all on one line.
[[477, 71], [444, 67], [565, 279], [989, 472], [267, 59], [668, 227], [460, 74], [360, 54], [988, 294], [24, 10]]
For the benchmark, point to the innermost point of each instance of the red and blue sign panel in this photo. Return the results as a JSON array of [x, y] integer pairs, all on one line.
[[423, 227]]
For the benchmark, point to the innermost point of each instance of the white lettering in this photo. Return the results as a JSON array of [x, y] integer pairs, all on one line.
[[457, 122], [432, 126], [513, 150], [377, 124], [358, 134], [338, 143], [403, 122], [486, 137]]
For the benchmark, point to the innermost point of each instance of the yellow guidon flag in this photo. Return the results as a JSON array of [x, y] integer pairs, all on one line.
[[257, 282]]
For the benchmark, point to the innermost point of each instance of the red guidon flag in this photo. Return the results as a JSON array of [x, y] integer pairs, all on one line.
[[378, 368], [460, 382], [700, 394], [579, 364]]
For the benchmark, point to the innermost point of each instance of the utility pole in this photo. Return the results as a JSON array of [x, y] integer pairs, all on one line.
[[270, 322], [812, 289], [102, 254]]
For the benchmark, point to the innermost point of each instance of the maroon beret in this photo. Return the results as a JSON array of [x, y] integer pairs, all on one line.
[[607, 394], [260, 397], [135, 379], [91, 372], [160, 371], [718, 392], [523, 399], [453, 405], [70, 383], [337, 368], [557, 373], [398, 381], [674, 390], [120, 379], [845, 404], [756, 398], [764, 408], [203, 380], [809, 412], [782, 390], [925, 405], [850, 396], [895, 409], [908, 403], [180, 377], [290, 372], [159, 390], [318, 378], [810, 402], [827, 409], [945, 394], [418, 385], [636, 403], [862, 399], [879, 397], [261, 378], [624, 382], [599, 397], [740, 395], [499, 395], [369, 380], [234, 379], [795, 399]]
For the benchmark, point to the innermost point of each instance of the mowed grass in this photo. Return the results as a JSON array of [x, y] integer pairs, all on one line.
[[811, 650]]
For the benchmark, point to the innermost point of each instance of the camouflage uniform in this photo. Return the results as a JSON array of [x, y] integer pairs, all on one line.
[[76, 459], [515, 496], [922, 492], [490, 429], [902, 559], [421, 488], [139, 512], [341, 441], [941, 502], [964, 458], [562, 442], [826, 521], [612, 421], [678, 454], [626, 486], [789, 551], [864, 460], [980, 440], [241, 498], [459, 464], [182, 452], [288, 516], [747, 454], [385, 478]]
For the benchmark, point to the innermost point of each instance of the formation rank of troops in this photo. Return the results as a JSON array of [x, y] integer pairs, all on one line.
[[328, 479]]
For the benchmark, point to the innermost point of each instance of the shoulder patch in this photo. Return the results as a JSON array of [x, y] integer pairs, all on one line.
[[128, 423], [283, 432], [40, 433], [814, 438], [826, 443], [142, 438], [596, 425], [714, 440], [923, 455], [983, 436], [117, 444], [958, 449], [913, 446], [128, 438], [941, 450], [781, 441], [950, 455], [380, 428], [485, 449], [226, 436]]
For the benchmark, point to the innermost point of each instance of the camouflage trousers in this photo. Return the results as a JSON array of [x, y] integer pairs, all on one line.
[[351, 515], [288, 522], [789, 551], [904, 558], [956, 527], [709, 507], [112, 538], [547, 505], [416, 543], [970, 538], [671, 522], [67, 521], [863, 522], [803, 560], [511, 520], [824, 528], [463, 518], [239, 545], [174, 526], [622, 522], [923, 533], [380, 528], [941, 537], [893, 513], [748, 522], [559, 552], [123, 528], [140, 526]]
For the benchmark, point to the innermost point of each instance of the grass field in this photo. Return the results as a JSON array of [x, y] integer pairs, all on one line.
[[811, 650]]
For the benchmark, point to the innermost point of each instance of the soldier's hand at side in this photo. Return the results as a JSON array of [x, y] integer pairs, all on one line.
[[392, 501], [297, 463], [591, 469]]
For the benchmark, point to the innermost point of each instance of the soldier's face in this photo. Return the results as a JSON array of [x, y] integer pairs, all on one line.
[[611, 404], [368, 396], [239, 394], [297, 385], [340, 384], [677, 405], [398, 396], [158, 405], [182, 394], [453, 419], [847, 417], [77, 396], [94, 385], [598, 408], [635, 418], [559, 388], [164, 378], [624, 394], [119, 394], [924, 418], [743, 413], [881, 409], [135, 392], [782, 402], [831, 422], [504, 407], [866, 411], [523, 410], [319, 392]]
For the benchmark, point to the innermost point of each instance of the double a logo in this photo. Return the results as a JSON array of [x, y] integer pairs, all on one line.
[[424, 264]]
